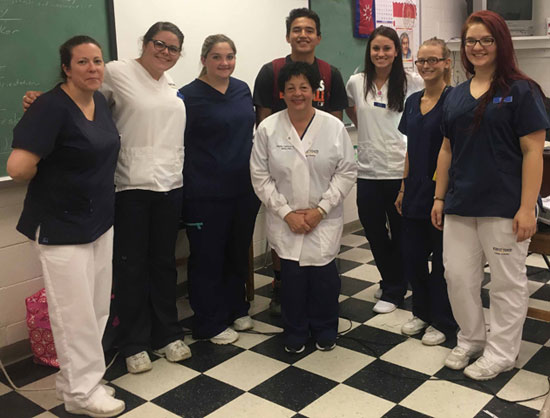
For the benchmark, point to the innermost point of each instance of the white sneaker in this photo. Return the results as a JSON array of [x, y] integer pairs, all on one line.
[[174, 352], [459, 358], [243, 323], [384, 307], [108, 389], [413, 326], [378, 293], [484, 369], [139, 363], [227, 336], [433, 336], [102, 406]]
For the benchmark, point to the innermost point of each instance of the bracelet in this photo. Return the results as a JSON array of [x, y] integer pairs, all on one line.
[[439, 198], [322, 212]]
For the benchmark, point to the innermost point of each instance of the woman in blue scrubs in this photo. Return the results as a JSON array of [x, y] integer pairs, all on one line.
[[421, 122], [220, 206], [489, 173]]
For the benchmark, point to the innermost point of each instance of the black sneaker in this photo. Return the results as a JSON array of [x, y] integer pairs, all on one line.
[[275, 304], [294, 350], [325, 346]]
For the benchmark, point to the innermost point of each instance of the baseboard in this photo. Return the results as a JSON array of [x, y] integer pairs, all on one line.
[[15, 352]]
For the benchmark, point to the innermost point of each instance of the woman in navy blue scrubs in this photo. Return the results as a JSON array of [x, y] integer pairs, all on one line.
[[220, 206], [489, 173], [421, 122], [67, 146]]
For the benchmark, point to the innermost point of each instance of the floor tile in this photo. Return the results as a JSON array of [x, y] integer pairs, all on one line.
[[446, 399], [251, 406], [207, 355], [526, 351], [16, 405], [351, 286], [45, 398], [346, 325], [536, 331], [338, 364], [256, 335], [46, 414], [344, 401], [184, 309], [352, 240], [392, 321], [266, 271], [246, 370], [259, 304], [4, 389], [417, 356], [149, 410], [364, 272], [198, 397], [360, 232], [261, 280], [26, 371], [356, 310], [369, 340], [360, 255], [386, 380], [538, 274], [533, 286], [266, 317], [399, 411], [368, 293], [526, 385], [163, 377], [543, 305], [344, 248], [503, 409], [344, 266], [294, 388], [539, 362]]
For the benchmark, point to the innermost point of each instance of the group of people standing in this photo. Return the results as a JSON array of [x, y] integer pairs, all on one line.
[[485, 137]]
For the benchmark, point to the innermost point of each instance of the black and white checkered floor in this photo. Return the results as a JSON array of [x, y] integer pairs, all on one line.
[[374, 371]]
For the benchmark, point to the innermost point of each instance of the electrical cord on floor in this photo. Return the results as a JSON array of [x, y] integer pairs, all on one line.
[[18, 389], [365, 345]]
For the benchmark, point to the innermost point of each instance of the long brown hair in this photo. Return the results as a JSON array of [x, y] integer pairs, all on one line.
[[397, 83]]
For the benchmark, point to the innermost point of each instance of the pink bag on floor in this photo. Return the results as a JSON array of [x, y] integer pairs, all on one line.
[[40, 331]]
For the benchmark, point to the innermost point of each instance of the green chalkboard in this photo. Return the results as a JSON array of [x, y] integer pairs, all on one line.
[[338, 46], [31, 32]]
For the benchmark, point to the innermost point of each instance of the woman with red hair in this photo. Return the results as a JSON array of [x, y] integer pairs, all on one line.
[[489, 173]]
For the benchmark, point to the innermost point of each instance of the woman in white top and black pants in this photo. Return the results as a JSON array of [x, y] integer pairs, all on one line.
[[376, 97]]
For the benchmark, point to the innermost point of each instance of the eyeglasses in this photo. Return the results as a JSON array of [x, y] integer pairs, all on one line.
[[487, 41], [161, 46], [430, 60]]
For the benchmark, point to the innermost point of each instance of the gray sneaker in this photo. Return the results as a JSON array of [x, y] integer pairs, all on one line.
[[459, 358]]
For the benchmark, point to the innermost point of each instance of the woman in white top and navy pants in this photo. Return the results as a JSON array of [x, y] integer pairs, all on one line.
[[376, 98]]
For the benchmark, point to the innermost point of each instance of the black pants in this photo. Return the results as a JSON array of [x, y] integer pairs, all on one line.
[[219, 232], [430, 298], [375, 204], [144, 266], [309, 302]]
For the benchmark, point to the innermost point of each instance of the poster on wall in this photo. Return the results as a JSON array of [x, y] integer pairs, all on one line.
[[401, 15]]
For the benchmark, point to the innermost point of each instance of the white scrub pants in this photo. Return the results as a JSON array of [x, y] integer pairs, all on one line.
[[78, 281], [467, 241]]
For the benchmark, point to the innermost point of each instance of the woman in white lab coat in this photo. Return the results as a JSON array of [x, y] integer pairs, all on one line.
[[302, 167]]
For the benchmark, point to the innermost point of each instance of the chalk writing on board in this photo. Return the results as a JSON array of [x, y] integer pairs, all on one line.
[[58, 4], [6, 19]]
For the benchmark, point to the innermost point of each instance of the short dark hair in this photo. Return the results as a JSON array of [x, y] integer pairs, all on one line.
[[160, 27], [303, 12], [66, 50], [295, 69]]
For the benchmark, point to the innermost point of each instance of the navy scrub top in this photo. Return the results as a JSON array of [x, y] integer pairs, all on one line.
[[218, 140], [486, 167], [424, 140], [71, 197]]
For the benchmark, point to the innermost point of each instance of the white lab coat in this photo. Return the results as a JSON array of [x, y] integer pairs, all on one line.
[[290, 174]]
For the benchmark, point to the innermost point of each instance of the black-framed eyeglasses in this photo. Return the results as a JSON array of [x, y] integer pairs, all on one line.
[[161, 46], [487, 41], [430, 60]]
